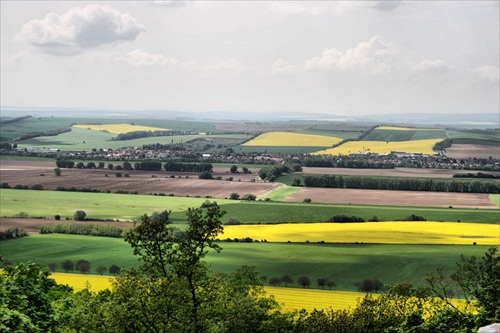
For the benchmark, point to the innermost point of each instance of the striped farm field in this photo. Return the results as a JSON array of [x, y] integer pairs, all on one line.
[[371, 232], [382, 147], [119, 128], [310, 299], [292, 139], [394, 128], [81, 281]]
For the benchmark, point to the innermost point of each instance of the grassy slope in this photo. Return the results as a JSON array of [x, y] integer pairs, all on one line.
[[407, 135], [480, 137], [130, 207], [343, 263]]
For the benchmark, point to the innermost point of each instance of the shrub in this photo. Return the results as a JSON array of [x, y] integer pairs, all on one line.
[[37, 187], [307, 200], [80, 215], [233, 221], [249, 197], [234, 196]]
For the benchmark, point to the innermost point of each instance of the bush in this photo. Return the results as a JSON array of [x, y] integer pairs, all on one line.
[[249, 197], [233, 221], [345, 218], [307, 200], [205, 175], [414, 217], [37, 187], [234, 196], [80, 215]]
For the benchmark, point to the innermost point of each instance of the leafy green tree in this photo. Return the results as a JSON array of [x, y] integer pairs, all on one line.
[[233, 169], [80, 165], [68, 265], [101, 165], [322, 282], [286, 279], [114, 269], [304, 281], [274, 281], [234, 196], [80, 215], [57, 172], [25, 302], [91, 165], [83, 266], [101, 269], [52, 266]]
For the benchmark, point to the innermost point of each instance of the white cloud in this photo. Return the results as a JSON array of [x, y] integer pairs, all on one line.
[[430, 66], [488, 73], [387, 6], [369, 57], [80, 28], [228, 65]]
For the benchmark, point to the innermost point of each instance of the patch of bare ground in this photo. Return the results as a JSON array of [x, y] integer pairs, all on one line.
[[396, 172], [32, 225], [461, 151], [144, 182], [393, 198]]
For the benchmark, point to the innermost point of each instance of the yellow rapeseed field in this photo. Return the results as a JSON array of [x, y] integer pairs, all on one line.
[[309, 299], [382, 147], [393, 128], [372, 232], [293, 139], [119, 128], [81, 281]]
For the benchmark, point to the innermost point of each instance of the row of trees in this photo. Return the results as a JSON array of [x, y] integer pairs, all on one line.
[[88, 229], [402, 184], [147, 134], [173, 290], [346, 162], [303, 281], [83, 266], [12, 233], [272, 172]]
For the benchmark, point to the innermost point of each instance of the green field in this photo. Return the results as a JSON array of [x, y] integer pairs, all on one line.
[[84, 139], [343, 263], [406, 135], [130, 207], [479, 137]]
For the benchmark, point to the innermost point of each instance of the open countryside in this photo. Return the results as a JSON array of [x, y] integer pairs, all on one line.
[[273, 139], [381, 147]]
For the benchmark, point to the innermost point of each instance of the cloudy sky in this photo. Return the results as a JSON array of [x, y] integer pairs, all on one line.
[[342, 58]]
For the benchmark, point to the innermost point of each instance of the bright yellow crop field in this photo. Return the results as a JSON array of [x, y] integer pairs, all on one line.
[[371, 232], [381, 147], [393, 128], [80, 281], [293, 139], [119, 128], [310, 299]]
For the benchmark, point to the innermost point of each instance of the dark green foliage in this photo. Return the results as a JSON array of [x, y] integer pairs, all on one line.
[[304, 281], [37, 187], [148, 165], [83, 266], [249, 197], [234, 196], [401, 184], [80, 215], [90, 229], [4, 185], [345, 218], [68, 265], [233, 169], [205, 175], [414, 217], [64, 163], [114, 269], [57, 172], [25, 300], [11, 233], [187, 167]]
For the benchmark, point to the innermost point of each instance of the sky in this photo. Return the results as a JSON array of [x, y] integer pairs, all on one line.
[[334, 57]]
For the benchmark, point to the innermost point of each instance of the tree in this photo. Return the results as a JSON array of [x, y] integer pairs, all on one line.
[[25, 299], [91, 165], [286, 279], [234, 196], [110, 166], [233, 169], [83, 266], [127, 166], [52, 266], [114, 269], [304, 281], [322, 282], [245, 170], [101, 269], [205, 175], [249, 197], [80, 165], [101, 165], [57, 172], [80, 215], [330, 284], [274, 281], [67, 265]]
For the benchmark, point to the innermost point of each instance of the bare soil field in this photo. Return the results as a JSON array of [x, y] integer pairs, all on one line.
[[32, 225], [479, 151], [396, 172], [144, 182], [393, 198]]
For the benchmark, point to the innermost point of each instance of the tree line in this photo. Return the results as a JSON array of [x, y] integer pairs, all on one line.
[[147, 134], [88, 229], [401, 184], [347, 162]]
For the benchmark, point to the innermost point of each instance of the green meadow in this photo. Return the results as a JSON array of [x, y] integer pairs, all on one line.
[[129, 207], [479, 137], [343, 263], [406, 135]]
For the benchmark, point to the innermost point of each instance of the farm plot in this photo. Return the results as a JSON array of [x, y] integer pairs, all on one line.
[[382, 147], [394, 198], [464, 151], [118, 128], [372, 233], [274, 139]]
